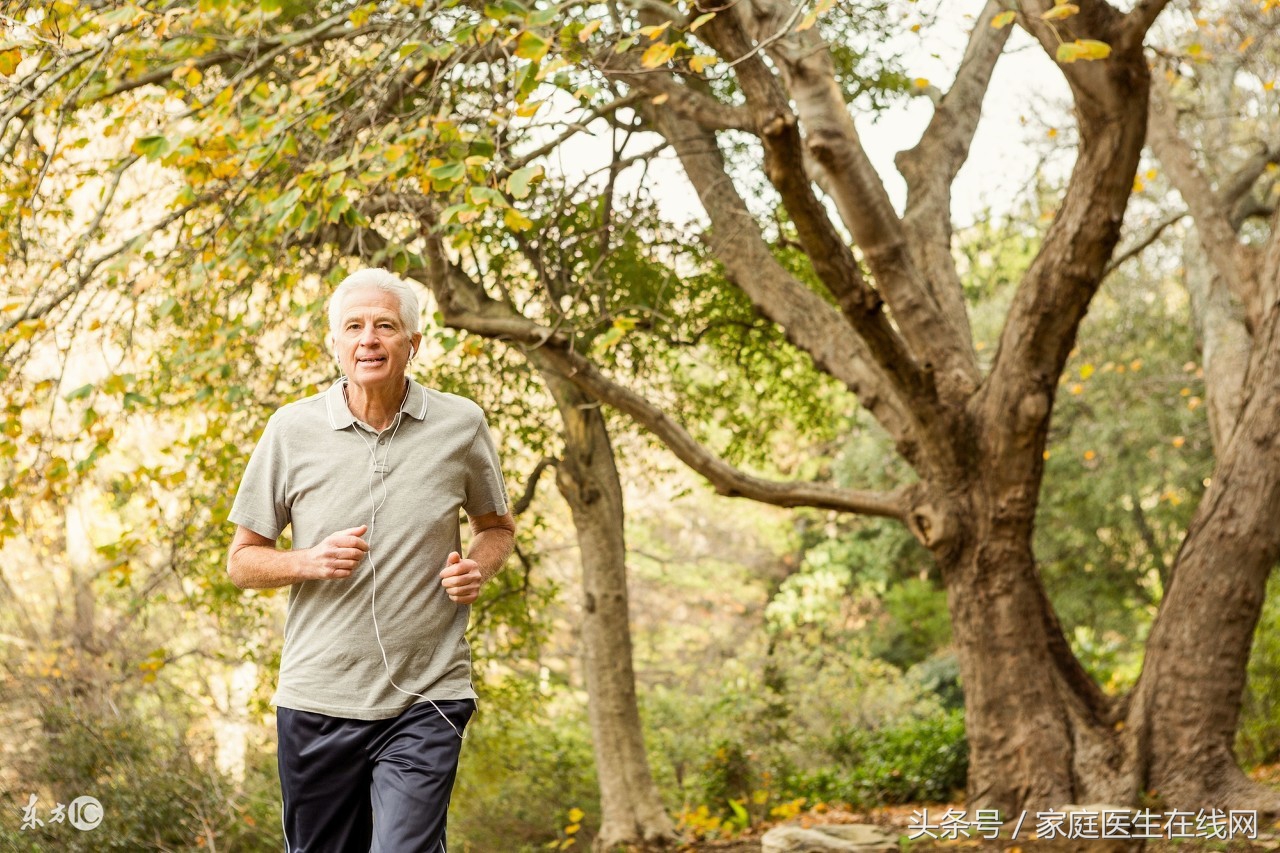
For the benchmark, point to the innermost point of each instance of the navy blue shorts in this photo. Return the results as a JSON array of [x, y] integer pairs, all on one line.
[[355, 786]]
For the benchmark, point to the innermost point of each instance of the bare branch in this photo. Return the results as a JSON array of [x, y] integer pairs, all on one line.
[[572, 130], [531, 487], [864, 205], [1212, 214], [1141, 245], [726, 479], [1139, 20], [809, 322], [930, 168]]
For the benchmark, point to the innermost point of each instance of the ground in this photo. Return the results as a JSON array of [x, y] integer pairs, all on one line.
[[903, 821]]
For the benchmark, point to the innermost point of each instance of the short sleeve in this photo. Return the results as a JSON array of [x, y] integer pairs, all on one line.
[[262, 503], [485, 492]]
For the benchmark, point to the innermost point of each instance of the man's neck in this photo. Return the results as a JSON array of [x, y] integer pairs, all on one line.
[[375, 406]]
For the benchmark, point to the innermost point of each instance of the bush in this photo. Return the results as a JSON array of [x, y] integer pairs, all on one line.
[[155, 790], [519, 777], [837, 728]]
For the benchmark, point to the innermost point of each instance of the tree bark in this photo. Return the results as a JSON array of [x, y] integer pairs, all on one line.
[[1197, 657], [632, 811]]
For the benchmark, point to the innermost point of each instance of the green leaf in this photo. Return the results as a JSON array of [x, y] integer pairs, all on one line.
[[522, 179], [151, 147], [449, 171], [81, 392]]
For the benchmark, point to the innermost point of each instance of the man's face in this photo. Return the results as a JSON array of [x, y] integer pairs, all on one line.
[[371, 341]]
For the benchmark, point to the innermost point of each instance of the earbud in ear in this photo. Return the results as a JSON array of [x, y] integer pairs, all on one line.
[[412, 352]]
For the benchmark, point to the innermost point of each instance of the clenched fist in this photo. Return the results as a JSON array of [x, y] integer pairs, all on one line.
[[338, 555], [461, 578]]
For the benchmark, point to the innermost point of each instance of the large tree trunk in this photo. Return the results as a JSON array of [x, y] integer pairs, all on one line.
[[1198, 653], [632, 811], [1040, 732]]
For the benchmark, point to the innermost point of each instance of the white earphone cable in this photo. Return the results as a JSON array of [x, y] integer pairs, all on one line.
[[377, 505]]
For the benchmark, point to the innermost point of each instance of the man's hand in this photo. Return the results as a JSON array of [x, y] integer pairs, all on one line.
[[338, 555], [461, 578]]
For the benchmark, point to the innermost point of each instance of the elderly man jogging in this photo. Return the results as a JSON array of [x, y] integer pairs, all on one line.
[[375, 679]]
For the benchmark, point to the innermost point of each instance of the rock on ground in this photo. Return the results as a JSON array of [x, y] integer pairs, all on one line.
[[845, 838]]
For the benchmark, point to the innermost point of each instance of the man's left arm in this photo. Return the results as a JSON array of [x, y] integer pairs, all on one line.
[[492, 540]]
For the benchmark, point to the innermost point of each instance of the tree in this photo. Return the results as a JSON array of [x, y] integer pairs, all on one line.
[[402, 134]]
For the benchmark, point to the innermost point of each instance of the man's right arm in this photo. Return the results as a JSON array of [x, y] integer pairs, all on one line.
[[254, 561]]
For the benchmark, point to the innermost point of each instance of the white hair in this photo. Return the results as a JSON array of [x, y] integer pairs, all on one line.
[[376, 279]]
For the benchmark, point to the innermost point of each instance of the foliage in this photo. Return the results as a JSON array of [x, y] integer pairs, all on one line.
[[1259, 739], [768, 730], [523, 768], [156, 788]]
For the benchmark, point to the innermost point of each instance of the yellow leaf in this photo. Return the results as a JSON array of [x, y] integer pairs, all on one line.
[[658, 54], [1138, 185], [1086, 371], [9, 60], [808, 21], [1077, 389], [572, 828], [700, 20], [661, 99], [194, 77], [527, 109], [585, 32], [576, 815], [1093, 49], [1269, 85], [701, 61], [1060, 11], [1089, 456], [1178, 441], [516, 220], [654, 31], [1003, 20], [1086, 49]]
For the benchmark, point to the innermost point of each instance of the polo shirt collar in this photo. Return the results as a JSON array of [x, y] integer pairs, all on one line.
[[340, 417]]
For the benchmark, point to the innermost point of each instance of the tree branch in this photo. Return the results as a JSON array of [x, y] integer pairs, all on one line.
[[1139, 20], [1212, 213], [930, 168], [726, 479], [832, 140], [1146, 240], [809, 322], [531, 487]]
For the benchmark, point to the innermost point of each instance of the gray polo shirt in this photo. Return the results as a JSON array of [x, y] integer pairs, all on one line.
[[315, 468]]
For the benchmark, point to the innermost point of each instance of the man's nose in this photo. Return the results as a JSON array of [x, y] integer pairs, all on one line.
[[367, 336]]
